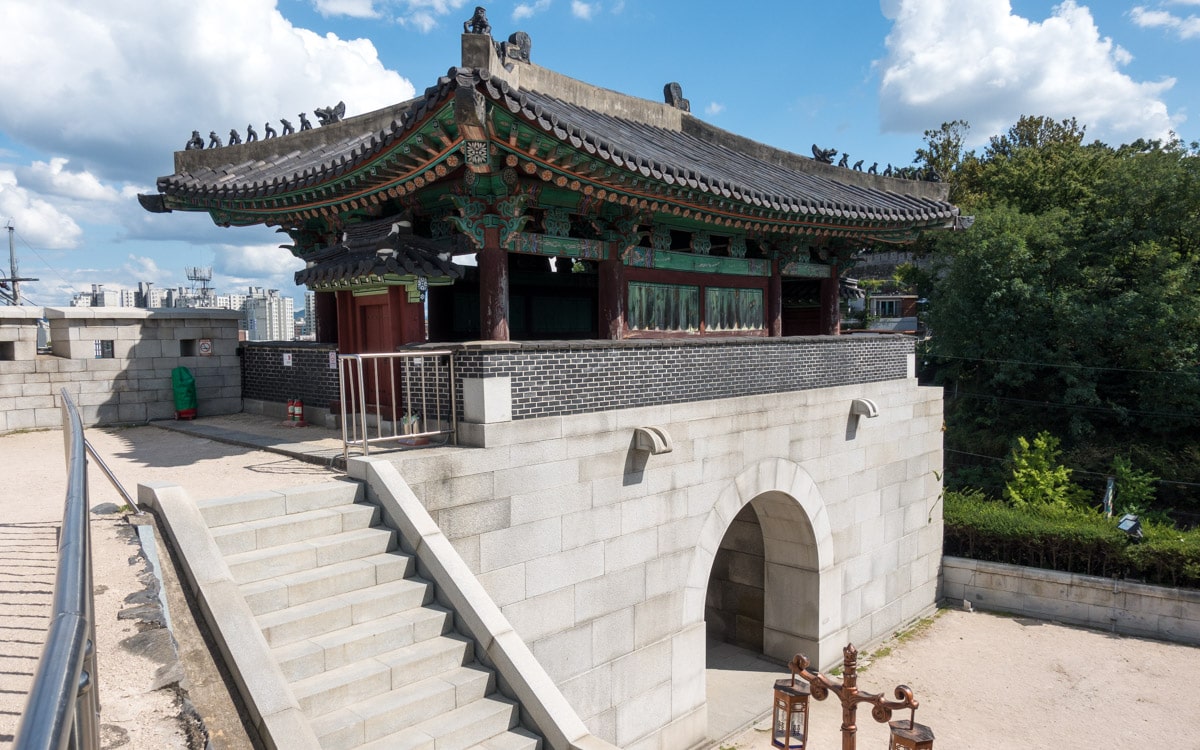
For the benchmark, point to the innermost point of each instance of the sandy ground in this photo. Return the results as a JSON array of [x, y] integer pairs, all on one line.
[[988, 681], [136, 712]]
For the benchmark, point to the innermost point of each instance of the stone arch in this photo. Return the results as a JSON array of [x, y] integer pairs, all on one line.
[[802, 609]]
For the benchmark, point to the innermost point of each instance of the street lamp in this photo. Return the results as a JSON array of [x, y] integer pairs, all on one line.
[[904, 734]]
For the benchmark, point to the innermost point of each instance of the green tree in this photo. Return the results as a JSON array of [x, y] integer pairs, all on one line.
[[1071, 305], [1134, 488], [1038, 479]]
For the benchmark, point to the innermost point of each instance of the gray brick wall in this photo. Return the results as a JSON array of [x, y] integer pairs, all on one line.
[[309, 378], [561, 378]]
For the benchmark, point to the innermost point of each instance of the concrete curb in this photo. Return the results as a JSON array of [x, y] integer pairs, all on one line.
[[516, 667], [274, 709]]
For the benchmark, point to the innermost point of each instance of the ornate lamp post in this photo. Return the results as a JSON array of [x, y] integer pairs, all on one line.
[[905, 734]]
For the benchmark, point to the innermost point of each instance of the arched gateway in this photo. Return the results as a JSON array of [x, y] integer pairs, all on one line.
[[802, 589]]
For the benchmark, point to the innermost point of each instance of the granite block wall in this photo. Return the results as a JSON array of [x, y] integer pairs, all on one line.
[[1103, 603], [132, 382], [600, 555]]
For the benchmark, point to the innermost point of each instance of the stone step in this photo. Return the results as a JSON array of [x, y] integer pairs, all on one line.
[[303, 586], [311, 619], [427, 700], [464, 727], [261, 564], [302, 659], [514, 739], [293, 527], [221, 511]]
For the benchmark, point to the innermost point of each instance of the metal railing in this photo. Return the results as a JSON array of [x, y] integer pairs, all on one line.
[[63, 708], [403, 398]]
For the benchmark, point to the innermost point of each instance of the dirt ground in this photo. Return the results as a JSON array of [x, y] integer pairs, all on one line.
[[990, 681]]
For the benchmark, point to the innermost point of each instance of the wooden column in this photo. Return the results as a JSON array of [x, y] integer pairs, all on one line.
[[612, 299], [493, 287], [775, 301], [831, 324], [347, 337]]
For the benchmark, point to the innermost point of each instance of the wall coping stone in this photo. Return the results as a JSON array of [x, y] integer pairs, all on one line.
[[137, 313]]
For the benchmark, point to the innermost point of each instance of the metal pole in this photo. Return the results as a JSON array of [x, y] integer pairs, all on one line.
[[12, 264], [111, 477]]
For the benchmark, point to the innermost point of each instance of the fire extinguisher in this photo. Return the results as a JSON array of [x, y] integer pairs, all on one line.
[[291, 413], [299, 413]]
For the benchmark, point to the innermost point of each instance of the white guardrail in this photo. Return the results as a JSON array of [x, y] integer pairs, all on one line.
[[398, 398]]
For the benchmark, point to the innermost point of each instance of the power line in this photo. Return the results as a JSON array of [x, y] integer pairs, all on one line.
[[39, 255], [1077, 407], [1058, 365]]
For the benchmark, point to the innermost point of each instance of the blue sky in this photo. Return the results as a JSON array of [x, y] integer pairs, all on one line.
[[97, 96]]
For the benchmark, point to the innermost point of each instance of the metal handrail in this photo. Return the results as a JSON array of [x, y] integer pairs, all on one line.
[[411, 394], [63, 708]]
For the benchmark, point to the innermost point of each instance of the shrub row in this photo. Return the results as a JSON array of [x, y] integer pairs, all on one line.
[[1071, 541]]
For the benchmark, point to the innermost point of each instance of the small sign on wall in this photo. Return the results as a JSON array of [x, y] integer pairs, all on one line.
[[204, 347], [333, 360], [287, 359]]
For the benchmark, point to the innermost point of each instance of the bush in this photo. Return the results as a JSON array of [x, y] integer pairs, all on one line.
[[1070, 540]]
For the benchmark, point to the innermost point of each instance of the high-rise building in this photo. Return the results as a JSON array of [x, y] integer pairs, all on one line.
[[269, 315], [310, 313]]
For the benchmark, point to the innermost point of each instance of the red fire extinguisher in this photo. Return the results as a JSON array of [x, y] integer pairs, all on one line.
[[298, 415]]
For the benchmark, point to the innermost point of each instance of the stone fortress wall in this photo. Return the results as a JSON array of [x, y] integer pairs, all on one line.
[[115, 362]]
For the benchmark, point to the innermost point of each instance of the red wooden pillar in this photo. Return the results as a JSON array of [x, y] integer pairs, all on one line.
[[347, 338], [493, 287], [612, 299], [775, 301], [831, 323]]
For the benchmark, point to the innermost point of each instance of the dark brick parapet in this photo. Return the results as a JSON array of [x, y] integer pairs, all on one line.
[[551, 378], [309, 378]]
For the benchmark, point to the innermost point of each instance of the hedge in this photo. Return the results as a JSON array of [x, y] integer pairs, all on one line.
[[1079, 541]]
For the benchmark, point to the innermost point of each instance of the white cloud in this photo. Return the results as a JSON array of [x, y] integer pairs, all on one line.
[[977, 60], [1186, 28], [526, 10], [260, 265], [52, 177], [117, 97], [424, 14], [352, 8], [37, 220], [583, 10], [714, 108]]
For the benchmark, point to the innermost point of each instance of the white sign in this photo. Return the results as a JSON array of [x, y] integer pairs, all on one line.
[[333, 360], [206, 348], [287, 359]]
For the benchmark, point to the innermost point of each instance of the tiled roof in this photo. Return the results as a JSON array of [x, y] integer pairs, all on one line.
[[378, 248], [678, 157], [758, 176]]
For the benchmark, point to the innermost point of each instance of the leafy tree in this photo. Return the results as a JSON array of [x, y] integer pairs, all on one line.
[[1134, 487], [1038, 479], [1071, 306]]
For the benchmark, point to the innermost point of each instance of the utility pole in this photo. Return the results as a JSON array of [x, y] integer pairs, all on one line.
[[13, 296]]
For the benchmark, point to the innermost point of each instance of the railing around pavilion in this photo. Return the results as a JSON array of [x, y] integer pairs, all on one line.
[[397, 398], [63, 708]]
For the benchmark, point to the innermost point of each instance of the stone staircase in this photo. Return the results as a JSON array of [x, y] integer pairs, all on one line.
[[370, 656]]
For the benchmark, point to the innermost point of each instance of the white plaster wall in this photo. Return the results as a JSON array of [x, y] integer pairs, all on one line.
[[601, 568]]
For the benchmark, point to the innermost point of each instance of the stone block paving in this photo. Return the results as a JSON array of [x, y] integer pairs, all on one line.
[[27, 566]]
